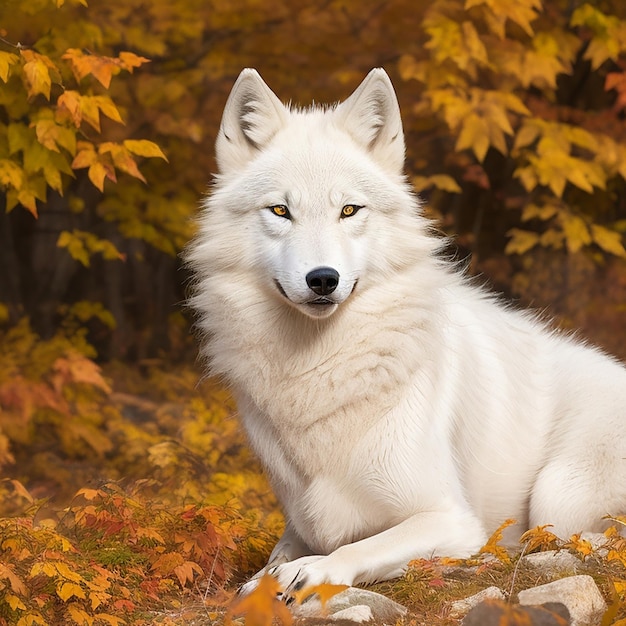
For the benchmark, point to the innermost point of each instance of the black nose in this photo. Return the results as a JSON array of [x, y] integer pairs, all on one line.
[[323, 280]]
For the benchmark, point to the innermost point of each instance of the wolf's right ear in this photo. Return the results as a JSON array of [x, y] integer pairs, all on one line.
[[372, 116], [252, 116]]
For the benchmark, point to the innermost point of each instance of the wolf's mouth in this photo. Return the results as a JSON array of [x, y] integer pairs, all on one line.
[[320, 301]]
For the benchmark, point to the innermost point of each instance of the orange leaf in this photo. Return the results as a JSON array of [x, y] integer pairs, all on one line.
[[492, 547], [185, 571], [69, 102], [100, 67], [539, 537], [262, 605], [325, 591], [129, 61]]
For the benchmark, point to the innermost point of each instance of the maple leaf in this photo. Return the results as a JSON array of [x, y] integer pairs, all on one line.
[[492, 547], [37, 74], [145, 148], [76, 368], [575, 230], [324, 591], [262, 605], [100, 67], [69, 103], [582, 546], [7, 59], [185, 572], [539, 537], [7, 572], [609, 240], [522, 12], [520, 241]]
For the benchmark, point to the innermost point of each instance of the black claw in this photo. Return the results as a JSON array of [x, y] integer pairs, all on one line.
[[291, 584]]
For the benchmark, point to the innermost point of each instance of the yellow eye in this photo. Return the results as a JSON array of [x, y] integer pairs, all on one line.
[[349, 210], [280, 210]]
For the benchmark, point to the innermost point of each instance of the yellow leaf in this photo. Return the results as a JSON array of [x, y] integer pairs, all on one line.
[[79, 615], [90, 112], [534, 211], [582, 546], [441, 181], [122, 159], [552, 238], [521, 241], [110, 619], [474, 135], [129, 61], [14, 602], [144, 148], [522, 12], [7, 59], [608, 240], [45, 567], [67, 573], [575, 230], [85, 157], [67, 590], [108, 108], [526, 135], [52, 135], [98, 171], [492, 547], [32, 618], [37, 75], [539, 537], [11, 174]]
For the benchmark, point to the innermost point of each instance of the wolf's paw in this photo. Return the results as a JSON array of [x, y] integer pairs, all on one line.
[[309, 571]]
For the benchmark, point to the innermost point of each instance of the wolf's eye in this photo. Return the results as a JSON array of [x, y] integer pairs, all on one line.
[[280, 209], [349, 210]]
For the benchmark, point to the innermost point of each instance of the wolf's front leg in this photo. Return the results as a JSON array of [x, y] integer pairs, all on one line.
[[386, 555], [288, 548]]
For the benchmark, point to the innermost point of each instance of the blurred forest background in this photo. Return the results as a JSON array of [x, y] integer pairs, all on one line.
[[514, 116]]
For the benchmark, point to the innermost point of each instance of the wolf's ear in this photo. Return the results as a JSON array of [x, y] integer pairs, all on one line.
[[372, 116], [252, 116]]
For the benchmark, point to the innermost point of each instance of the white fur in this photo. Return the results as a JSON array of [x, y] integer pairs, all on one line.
[[410, 413]]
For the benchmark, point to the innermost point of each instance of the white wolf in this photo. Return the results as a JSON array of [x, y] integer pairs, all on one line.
[[399, 410]]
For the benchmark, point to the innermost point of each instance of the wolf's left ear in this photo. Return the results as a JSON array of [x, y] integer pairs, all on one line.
[[372, 116], [252, 116]]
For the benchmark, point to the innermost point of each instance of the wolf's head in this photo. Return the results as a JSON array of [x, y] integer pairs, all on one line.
[[313, 202]]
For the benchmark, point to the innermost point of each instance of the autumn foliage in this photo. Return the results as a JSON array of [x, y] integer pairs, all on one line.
[[128, 494]]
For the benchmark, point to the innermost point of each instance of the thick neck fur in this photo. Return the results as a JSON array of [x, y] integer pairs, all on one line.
[[306, 378]]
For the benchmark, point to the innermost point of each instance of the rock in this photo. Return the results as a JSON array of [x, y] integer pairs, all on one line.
[[497, 612], [554, 561], [352, 605], [461, 607], [579, 594]]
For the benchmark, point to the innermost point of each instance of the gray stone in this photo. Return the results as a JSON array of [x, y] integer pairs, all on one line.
[[579, 594], [461, 607], [554, 561], [354, 605]]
